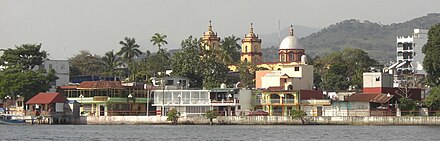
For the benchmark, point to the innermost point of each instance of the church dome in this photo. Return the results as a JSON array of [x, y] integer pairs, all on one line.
[[210, 32], [290, 42]]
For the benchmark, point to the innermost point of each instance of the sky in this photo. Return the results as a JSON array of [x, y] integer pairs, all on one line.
[[64, 27]]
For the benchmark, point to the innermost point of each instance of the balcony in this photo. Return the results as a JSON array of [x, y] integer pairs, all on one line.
[[272, 101]]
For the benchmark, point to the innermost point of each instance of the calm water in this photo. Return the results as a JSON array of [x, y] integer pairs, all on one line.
[[223, 133]]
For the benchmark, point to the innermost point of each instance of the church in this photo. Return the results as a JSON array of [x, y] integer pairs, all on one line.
[[291, 71]]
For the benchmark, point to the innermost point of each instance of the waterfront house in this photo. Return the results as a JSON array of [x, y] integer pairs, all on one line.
[[197, 102], [109, 98], [279, 101], [363, 105], [51, 106]]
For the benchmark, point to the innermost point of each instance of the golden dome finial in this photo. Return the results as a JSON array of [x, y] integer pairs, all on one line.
[[210, 26], [291, 30]]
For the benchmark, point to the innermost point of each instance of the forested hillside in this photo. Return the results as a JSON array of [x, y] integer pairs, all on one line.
[[376, 39]]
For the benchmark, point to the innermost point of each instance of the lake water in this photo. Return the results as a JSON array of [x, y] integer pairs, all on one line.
[[217, 132]]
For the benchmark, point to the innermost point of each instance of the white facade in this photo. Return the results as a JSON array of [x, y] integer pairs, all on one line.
[[189, 102], [409, 52], [299, 76], [377, 79], [61, 68]]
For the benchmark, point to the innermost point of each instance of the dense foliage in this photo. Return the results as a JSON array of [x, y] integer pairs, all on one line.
[[431, 62], [341, 71], [19, 78]]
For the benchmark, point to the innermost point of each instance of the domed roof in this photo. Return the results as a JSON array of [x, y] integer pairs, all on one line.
[[251, 32], [290, 42], [210, 32]]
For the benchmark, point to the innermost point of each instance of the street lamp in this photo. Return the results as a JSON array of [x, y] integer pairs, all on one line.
[[282, 104], [229, 108], [81, 110], [388, 105], [128, 100], [179, 96], [6, 103], [163, 97]]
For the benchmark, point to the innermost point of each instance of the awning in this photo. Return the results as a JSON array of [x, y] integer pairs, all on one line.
[[401, 64], [394, 65]]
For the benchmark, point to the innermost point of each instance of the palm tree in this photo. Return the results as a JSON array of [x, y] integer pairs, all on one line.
[[230, 50], [111, 62], [129, 50], [159, 39]]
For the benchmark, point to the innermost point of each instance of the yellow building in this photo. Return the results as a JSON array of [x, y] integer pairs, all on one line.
[[210, 41], [290, 71], [251, 48]]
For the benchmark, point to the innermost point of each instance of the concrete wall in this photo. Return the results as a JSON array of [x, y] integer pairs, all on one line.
[[373, 120]]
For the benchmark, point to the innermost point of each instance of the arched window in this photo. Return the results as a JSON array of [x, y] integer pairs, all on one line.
[[283, 57], [245, 60], [245, 49], [291, 57]]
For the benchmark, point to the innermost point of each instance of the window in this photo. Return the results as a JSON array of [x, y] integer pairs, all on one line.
[[296, 68], [245, 49], [50, 66], [377, 78], [170, 82]]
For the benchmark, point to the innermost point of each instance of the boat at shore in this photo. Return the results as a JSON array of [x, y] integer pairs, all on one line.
[[11, 119]]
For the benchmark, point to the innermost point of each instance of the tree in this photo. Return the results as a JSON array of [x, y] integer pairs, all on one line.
[[25, 56], [159, 39], [18, 78], [173, 116], [298, 114], [229, 52], [343, 70], [407, 104], [214, 72], [211, 114], [111, 62], [433, 99], [129, 51], [247, 74], [431, 62], [87, 64], [186, 63]]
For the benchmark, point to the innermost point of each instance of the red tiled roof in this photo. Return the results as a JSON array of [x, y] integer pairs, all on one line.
[[46, 98], [100, 85], [374, 98]]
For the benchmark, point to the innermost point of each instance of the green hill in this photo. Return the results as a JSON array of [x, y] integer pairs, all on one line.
[[376, 39]]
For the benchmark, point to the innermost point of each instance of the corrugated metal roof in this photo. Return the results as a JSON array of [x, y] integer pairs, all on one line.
[[374, 98]]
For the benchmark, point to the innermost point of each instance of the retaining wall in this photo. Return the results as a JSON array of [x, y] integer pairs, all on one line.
[[269, 120]]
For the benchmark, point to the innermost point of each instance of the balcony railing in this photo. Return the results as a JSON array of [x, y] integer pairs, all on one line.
[[272, 101]]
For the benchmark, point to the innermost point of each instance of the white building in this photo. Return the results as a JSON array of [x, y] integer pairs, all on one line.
[[61, 68], [409, 53], [197, 102]]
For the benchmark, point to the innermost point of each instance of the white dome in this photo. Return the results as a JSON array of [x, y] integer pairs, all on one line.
[[290, 42]]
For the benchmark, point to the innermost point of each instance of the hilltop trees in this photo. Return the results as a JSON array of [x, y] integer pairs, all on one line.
[[343, 70], [18, 77]]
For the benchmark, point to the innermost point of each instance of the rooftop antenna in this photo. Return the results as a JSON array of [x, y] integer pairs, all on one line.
[[279, 33]]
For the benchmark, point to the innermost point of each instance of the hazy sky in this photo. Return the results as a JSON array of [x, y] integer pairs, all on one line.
[[65, 27]]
